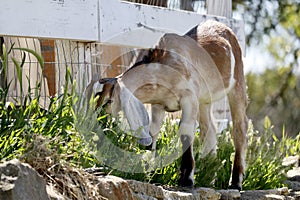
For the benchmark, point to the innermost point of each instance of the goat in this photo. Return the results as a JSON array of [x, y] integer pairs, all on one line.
[[186, 73]]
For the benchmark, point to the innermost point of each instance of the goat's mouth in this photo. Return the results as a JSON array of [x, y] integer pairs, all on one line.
[[105, 96], [103, 103], [107, 104]]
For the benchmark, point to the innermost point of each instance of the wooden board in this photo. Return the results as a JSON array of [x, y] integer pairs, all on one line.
[[106, 21], [69, 19], [140, 25]]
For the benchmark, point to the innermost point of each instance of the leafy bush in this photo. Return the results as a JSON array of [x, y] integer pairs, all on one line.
[[264, 159]]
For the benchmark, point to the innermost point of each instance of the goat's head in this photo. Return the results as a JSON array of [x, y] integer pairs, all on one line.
[[114, 96], [103, 89]]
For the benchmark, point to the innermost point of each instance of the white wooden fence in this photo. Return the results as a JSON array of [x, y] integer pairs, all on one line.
[[90, 35]]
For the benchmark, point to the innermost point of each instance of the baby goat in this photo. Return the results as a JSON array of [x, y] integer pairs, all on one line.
[[186, 73]]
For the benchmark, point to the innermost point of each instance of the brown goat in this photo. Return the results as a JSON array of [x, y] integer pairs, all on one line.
[[186, 73]]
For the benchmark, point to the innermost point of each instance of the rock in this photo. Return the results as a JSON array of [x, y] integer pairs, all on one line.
[[291, 161], [206, 194], [230, 194], [274, 194], [296, 195], [293, 185], [293, 181], [114, 188], [148, 191], [294, 174], [20, 181]]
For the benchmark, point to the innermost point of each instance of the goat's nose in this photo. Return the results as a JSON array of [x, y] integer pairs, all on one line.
[[145, 141]]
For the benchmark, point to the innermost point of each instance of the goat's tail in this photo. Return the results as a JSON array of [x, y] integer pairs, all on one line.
[[237, 52], [239, 66]]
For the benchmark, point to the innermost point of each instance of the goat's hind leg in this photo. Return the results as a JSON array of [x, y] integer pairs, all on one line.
[[238, 104]]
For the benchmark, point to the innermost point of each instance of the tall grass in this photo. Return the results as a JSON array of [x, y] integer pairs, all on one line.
[[24, 123], [67, 131]]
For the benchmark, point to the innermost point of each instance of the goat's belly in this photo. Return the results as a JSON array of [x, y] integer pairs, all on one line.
[[158, 94], [172, 106], [212, 94]]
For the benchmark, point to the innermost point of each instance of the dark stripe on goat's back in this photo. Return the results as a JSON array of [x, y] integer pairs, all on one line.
[[192, 33], [152, 56], [145, 60]]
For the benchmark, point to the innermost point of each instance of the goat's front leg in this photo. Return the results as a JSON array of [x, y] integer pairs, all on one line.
[[157, 116], [189, 105]]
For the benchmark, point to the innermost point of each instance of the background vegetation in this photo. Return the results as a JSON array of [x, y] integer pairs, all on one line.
[[273, 27]]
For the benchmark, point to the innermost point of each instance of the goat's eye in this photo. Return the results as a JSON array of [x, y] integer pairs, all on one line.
[[107, 103]]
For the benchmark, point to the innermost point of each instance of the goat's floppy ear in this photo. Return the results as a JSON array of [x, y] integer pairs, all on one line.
[[98, 87], [136, 115]]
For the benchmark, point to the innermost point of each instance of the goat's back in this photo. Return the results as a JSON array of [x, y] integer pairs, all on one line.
[[219, 41]]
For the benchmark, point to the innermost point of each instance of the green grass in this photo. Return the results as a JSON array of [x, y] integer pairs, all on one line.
[[66, 131]]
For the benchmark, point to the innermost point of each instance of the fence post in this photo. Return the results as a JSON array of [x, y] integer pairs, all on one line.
[[48, 53], [221, 109], [219, 8], [186, 5], [2, 71]]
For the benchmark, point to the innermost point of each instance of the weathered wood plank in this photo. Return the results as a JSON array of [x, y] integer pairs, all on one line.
[[219, 8], [76, 19], [140, 25]]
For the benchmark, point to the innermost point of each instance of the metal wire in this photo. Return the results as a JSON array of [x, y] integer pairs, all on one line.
[[198, 6], [85, 61]]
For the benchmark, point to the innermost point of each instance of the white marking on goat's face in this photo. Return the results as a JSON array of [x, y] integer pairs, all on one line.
[[98, 87], [104, 93]]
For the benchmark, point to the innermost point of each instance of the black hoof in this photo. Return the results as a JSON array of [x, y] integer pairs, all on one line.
[[149, 147], [187, 183], [235, 187]]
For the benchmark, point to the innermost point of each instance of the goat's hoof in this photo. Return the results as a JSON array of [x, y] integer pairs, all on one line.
[[145, 141], [149, 147], [188, 183], [235, 187]]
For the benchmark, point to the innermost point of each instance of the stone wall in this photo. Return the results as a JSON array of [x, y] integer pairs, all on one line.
[[19, 181]]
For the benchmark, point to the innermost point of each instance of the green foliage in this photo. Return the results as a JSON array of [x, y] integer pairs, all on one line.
[[214, 170], [24, 124], [264, 159], [275, 93], [274, 25]]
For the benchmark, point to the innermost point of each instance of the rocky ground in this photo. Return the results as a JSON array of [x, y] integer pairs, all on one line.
[[19, 181]]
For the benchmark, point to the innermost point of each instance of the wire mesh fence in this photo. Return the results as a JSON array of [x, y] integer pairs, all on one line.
[[85, 61], [198, 6]]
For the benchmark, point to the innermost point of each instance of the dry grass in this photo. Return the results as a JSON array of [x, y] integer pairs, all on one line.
[[68, 181]]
